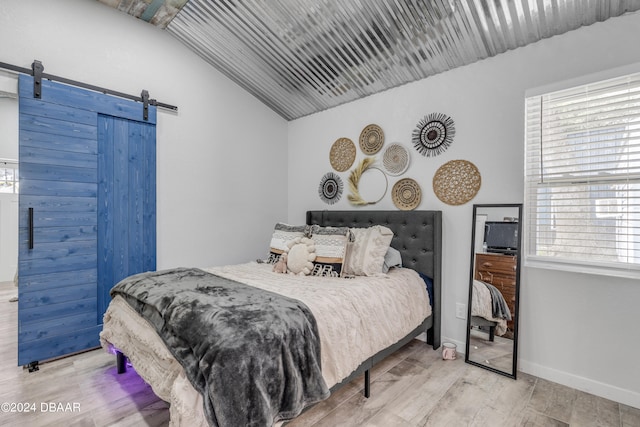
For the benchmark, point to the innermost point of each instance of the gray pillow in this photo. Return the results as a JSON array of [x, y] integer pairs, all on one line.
[[391, 259]]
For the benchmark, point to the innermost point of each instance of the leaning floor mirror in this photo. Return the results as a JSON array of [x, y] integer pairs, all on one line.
[[494, 285]]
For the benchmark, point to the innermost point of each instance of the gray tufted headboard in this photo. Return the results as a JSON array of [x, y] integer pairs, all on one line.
[[417, 235]]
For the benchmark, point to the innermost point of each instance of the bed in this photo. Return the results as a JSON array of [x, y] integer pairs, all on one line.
[[345, 352], [489, 310]]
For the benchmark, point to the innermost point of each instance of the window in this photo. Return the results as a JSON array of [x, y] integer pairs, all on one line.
[[582, 184], [9, 176]]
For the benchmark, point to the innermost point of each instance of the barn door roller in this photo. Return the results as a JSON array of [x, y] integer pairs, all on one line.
[[37, 68], [145, 104]]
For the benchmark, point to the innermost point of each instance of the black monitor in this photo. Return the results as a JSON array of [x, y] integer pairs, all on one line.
[[501, 237]]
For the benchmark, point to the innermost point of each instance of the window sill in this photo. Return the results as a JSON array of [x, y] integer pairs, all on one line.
[[591, 269]]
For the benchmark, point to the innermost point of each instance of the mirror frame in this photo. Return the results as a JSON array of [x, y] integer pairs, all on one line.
[[514, 364]]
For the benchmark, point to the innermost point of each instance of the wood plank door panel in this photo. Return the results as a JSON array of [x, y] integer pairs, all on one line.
[[126, 200], [61, 292]]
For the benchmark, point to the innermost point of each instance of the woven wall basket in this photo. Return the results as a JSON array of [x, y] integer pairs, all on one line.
[[395, 159], [456, 182], [406, 194], [342, 154], [371, 139]]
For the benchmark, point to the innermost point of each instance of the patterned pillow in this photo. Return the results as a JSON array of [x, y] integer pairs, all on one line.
[[369, 248], [282, 235], [332, 250]]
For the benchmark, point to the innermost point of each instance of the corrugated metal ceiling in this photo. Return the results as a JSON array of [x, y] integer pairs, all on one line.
[[301, 57]]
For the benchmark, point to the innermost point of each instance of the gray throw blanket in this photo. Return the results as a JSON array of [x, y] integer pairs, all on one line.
[[253, 355], [499, 307]]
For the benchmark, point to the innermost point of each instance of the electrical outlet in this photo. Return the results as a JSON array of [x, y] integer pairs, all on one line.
[[461, 310]]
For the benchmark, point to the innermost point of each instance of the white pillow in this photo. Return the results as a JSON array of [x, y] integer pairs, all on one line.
[[368, 250]]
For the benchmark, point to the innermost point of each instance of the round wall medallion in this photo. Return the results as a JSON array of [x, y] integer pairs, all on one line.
[[354, 181], [433, 134], [406, 194], [330, 188], [371, 139], [342, 154], [456, 182], [395, 159]]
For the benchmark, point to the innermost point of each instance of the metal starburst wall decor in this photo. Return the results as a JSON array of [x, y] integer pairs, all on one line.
[[433, 134]]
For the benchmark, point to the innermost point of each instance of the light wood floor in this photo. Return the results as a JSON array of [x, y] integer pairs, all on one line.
[[413, 387]]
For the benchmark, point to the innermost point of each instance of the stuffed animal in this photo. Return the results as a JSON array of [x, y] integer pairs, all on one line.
[[281, 265]]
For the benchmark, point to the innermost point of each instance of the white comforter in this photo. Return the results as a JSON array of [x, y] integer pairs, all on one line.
[[356, 319]]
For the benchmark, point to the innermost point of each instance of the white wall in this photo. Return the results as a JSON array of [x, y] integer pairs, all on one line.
[[8, 202], [220, 158], [8, 116], [8, 236], [576, 329]]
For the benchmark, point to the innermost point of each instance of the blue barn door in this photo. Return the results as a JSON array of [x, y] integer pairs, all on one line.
[[72, 210]]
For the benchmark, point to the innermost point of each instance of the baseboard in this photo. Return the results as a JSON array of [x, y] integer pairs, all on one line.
[[617, 394]]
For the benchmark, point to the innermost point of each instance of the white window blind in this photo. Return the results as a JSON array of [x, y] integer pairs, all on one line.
[[583, 176]]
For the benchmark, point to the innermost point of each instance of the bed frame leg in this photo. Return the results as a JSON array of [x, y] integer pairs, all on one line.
[[492, 333], [433, 337], [367, 383], [121, 362]]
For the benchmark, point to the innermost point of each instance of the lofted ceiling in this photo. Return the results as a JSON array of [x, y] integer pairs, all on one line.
[[300, 56]]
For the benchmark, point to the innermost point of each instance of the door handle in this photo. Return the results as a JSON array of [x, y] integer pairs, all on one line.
[[30, 228]]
